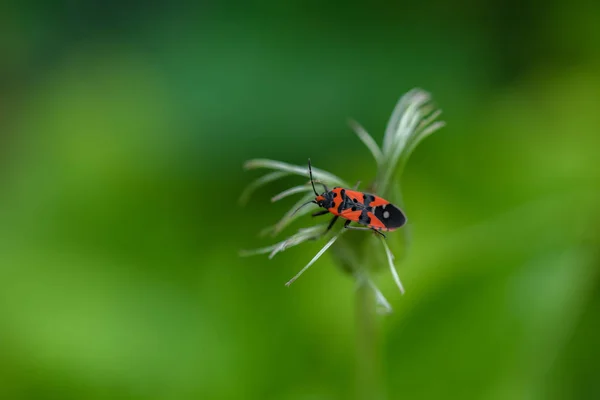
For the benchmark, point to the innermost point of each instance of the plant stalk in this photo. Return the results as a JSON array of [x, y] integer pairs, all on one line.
[[368, 360]]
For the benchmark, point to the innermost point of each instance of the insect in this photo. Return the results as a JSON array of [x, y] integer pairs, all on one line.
[[375, 213]]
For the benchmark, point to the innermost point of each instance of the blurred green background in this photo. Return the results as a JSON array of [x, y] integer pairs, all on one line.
[[124, 126]]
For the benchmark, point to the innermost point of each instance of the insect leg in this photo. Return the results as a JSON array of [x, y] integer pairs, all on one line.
[[360, 228], [328, 228], [375, 230], [331, 223], [322, 212]]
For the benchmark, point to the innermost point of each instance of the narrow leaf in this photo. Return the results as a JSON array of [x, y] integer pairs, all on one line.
[[390, 258], [263, 180], [294, 169], [315, 258], [367, 139], [291, 191]]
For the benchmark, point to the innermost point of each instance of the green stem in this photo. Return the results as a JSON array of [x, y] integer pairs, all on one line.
[[368, 368]]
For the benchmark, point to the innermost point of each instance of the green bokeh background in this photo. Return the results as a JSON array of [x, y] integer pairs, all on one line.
[[124, 127]]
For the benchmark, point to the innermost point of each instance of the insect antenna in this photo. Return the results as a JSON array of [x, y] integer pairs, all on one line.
[[312, 181], [311, 178], [296, 210]]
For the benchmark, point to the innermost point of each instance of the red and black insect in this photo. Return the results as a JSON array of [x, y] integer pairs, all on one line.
[[367, 209]]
